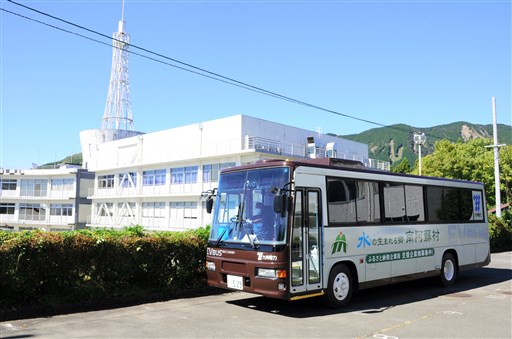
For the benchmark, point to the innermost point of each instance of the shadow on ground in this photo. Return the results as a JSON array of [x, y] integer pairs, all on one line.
[[39, 311], [380, 299]]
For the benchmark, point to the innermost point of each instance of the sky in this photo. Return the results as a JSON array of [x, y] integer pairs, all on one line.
[[422, 63]]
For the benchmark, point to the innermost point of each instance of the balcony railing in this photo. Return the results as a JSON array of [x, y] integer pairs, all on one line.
[[379, 164], [271, 146]]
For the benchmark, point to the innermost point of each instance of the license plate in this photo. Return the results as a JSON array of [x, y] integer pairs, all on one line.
[[235, 282]]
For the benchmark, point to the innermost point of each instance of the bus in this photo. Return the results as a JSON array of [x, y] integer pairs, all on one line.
[[328, 227]]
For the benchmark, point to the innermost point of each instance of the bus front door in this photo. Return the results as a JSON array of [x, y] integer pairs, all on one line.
[[306, 242]]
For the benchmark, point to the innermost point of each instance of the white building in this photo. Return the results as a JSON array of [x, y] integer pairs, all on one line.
[[156, 179], [48, 199]]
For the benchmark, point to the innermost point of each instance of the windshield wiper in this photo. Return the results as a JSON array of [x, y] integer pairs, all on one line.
[[234, 221], [242, 223], [253, 239], [219, 239]]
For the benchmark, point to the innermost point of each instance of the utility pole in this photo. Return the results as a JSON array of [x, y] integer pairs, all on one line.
[[419, 139], [496, 147]]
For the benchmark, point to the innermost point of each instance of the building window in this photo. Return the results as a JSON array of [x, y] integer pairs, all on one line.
[[8, 184], [185, 210], [58, 185], [190, 210], [106, 181], [191, 175], [33, 187], [128, 179], [153, 209], [126, 209], [211, 171], [184, 175], [61, 209], [106, 210], [153, 178], [7, 208], [33, 212], [177, 175]]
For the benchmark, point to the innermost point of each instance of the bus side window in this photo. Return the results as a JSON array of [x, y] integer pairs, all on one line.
[[414, 205], [394, 202], [341, 200]]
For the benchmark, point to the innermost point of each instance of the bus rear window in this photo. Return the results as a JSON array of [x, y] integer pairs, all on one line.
[[452, 204]]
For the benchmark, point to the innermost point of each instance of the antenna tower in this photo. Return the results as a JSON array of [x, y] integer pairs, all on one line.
[[118, 110]]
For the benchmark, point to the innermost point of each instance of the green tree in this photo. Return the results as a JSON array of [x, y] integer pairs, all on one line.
[[506, 172], [471, 161], [402, 167]]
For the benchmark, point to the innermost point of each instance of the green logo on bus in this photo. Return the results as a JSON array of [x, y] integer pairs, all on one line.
[[340, 244]]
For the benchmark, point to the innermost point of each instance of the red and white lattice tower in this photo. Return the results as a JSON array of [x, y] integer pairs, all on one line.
[[118, 110]]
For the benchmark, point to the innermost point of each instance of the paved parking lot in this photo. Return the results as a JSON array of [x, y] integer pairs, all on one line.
[[478, 306]]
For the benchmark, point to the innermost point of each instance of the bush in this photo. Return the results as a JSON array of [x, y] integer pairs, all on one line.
[[500, 232], [51, 268]]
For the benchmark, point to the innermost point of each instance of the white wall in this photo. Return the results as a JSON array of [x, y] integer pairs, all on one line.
[[90, 139], [292, 135], [211, 138]]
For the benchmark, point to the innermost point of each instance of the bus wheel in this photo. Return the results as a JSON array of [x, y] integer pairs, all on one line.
[[340, 287], [448, 270]]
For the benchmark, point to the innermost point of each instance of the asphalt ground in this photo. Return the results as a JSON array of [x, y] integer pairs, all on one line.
[[479, 305]]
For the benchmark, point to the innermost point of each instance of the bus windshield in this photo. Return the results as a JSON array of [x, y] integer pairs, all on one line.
[[244, 211]]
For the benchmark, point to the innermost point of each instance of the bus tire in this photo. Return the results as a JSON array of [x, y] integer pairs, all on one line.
[[340, 287], [448, 270]]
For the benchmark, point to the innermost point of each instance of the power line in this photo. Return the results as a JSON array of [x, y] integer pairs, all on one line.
[[234, 81], [131, 52], [195, 70]]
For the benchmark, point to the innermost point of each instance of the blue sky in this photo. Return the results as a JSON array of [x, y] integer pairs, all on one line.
[[422, 63]]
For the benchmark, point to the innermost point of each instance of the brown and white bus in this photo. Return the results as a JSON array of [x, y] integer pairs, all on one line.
[[327, 227]]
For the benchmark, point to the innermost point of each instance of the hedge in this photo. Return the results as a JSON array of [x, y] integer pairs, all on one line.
[[46, 268]]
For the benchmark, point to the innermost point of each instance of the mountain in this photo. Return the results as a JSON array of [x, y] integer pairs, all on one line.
[[74, 159], [395, 142]]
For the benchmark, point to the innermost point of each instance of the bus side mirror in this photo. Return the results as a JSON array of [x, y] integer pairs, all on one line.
[[209, 204], [280, 204], [209, 199]]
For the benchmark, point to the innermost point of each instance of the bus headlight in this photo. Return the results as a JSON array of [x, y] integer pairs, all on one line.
[[210, 266], [270, 273]]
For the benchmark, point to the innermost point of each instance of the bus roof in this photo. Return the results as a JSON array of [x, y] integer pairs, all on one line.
[[335, 164]]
